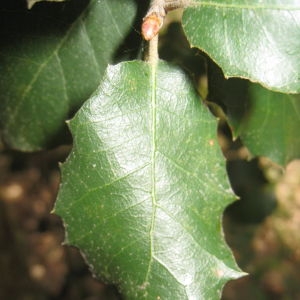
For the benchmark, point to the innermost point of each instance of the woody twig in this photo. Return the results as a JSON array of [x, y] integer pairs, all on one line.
[[155, 16]]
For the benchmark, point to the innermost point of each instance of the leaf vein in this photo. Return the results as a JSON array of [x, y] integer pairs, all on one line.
[[245, 6], [153, 164], [91, 47], [98, 188], [63, 78], [42, 66], [113, 18]]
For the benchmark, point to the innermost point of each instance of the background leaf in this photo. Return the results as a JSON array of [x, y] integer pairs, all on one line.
[[258, 40], [267, 122], [144, 188], [53, 57], [272, 127]]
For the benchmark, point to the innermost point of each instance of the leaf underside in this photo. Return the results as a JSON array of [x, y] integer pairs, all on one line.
[[267, 122], [272, 126], [144, 188], [257, 40]]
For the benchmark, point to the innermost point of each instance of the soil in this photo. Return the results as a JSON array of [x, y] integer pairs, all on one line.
[[33, 262], [35, 265]]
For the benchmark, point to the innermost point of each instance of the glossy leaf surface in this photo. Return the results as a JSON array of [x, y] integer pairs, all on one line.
[[52, 58], [145, 186], [258, 40]]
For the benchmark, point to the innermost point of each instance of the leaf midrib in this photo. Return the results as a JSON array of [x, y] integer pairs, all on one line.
[[153, 81]]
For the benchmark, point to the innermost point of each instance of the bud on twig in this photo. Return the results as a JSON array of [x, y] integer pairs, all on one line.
[[154, 18]]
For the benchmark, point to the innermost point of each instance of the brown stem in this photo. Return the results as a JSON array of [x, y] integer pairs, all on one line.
[[154, 18]]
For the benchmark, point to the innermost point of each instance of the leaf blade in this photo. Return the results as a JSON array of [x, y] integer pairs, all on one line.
[[140, 173], [272, 127], [53, 60], [258, 41], [267, 122]]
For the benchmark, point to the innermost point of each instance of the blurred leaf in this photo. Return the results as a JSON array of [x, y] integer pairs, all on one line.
[[258, 40], [272, 127], [267, 122], [145, 186], [52, 58]]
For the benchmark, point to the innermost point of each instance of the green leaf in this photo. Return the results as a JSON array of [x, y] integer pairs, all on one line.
[[144, 188], [272, 126], [258, 40], [267, 122], [52, 58]]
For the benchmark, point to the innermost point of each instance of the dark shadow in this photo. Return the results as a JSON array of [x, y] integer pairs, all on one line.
[[132, 46], [175, 48], [16, 21], [230, 94], [257, 200]]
